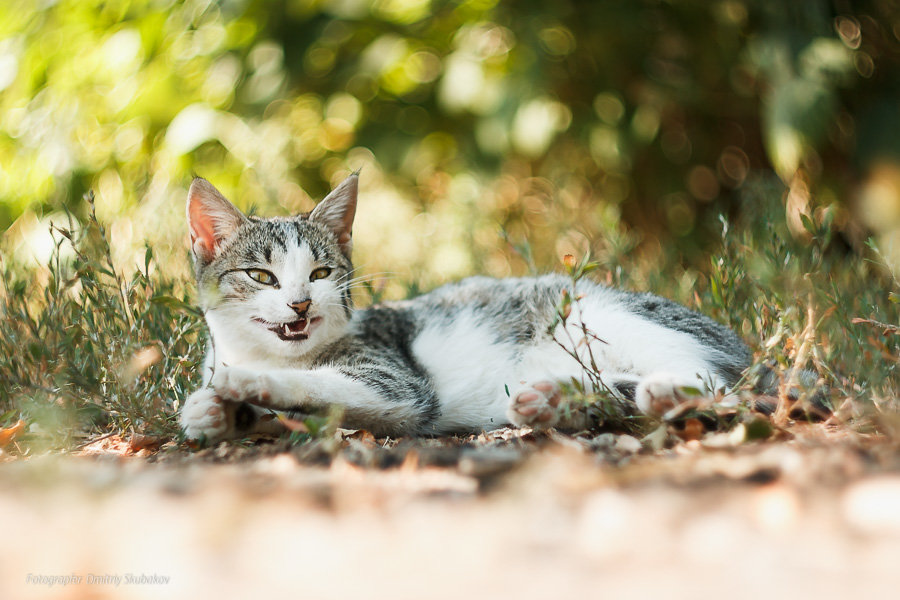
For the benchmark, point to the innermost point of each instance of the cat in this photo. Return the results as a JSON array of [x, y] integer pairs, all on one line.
[[474, 355]]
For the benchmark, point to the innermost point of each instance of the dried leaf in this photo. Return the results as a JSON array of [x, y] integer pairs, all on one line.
[[140, 361], [886, 327], [693, 430], [9, 434], [140, 442], [360, 435], [293, 424]]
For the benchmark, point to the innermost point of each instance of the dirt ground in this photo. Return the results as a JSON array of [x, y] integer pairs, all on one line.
[[814, 512]]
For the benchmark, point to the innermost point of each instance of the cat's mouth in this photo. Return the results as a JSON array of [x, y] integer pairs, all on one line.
[[294, 331]]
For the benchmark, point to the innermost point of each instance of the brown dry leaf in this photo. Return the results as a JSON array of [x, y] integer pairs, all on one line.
[[691, 404], [139, 442], [140, 361], [410, 461], [789, 345], [107, 444], [293, 424], [365, 437], [9, 434], [693, 430], [887, 328]]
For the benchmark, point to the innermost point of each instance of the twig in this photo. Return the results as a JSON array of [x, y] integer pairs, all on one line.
[[99, 439], [886, 326], [809, 333]]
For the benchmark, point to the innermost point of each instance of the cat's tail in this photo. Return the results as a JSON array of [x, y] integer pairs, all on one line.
[[806, 394]]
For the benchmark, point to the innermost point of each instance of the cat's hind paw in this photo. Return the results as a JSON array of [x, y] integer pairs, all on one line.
[[205, 416], [658, 393], [536, 405]]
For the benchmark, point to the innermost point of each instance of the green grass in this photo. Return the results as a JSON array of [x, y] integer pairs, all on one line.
[[86, 349]]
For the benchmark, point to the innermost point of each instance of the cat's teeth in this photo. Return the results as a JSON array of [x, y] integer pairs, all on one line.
[[286, 329]]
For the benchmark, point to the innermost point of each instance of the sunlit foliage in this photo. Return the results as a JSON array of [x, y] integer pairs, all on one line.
[[537, 116]]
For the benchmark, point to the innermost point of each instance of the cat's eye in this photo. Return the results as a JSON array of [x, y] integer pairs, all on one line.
[[262, 276], [320, 273]]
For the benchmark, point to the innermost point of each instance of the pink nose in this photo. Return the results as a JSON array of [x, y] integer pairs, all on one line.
[[300, 307]]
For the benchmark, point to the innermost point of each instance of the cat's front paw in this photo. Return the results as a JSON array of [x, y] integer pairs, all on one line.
[[206, 416], [242, 385], [536, 405]]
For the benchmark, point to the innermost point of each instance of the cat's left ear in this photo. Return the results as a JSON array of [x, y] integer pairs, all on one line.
[[337, 211]]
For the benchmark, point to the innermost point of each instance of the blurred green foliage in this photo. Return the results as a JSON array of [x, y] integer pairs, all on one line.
[[538, 116]]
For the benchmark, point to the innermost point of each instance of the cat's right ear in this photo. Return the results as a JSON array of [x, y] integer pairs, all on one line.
[[211, 219]]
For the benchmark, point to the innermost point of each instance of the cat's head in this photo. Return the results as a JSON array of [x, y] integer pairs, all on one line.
[[272, 289]]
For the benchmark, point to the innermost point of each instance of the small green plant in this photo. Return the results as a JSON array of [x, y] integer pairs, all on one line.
[[86, 349], [590, 392], [806, 304]]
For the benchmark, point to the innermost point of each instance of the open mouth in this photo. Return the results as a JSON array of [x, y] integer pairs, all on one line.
[[294, 331]]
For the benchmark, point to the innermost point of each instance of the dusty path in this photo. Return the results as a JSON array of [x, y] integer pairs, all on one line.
[[497, 516]]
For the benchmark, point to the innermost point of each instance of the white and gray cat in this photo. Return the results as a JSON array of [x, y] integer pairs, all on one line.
[[473, 355]]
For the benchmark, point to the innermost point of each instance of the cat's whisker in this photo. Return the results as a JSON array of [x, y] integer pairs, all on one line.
[[356, 286], [358, 269], [347, 274], [370, 277], [353, 287], [361, 280], [364, 279]]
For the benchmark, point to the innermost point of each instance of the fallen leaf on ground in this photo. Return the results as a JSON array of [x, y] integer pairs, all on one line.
[[139, 442], [9, 434], [693, 430], [293, 424]]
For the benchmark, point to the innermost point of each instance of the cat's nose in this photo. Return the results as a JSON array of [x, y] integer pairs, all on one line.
[[300, 307]]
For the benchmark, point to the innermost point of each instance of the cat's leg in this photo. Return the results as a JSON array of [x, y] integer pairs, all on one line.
[[535, 404], [660, 392], [207, 416], [368, 399], [540, 404]]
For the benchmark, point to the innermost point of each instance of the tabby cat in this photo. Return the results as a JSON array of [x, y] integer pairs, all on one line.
[[474, 355]]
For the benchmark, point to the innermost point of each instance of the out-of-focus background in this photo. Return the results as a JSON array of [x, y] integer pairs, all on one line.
[[614, 125]]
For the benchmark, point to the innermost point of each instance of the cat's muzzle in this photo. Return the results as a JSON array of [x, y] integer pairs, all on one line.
[[293, 331]]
